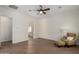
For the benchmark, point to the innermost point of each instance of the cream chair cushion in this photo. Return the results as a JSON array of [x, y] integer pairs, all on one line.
[[60, 43]]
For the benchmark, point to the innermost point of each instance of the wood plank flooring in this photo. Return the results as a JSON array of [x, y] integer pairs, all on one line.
[[37, 46]]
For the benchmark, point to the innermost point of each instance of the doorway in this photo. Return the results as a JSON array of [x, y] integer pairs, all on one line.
[[30, 30], [5, 30]]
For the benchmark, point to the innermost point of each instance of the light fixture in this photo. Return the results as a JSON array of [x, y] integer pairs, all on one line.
[[41, 12]]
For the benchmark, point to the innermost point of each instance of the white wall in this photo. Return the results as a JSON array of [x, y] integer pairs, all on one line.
[[5, 29], [52, 27], [20, 24], [36, 28]]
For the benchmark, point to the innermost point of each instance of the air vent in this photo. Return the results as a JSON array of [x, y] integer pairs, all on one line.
[[13, 6]]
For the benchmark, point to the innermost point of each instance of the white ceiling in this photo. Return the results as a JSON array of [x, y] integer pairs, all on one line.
[[24, 9]]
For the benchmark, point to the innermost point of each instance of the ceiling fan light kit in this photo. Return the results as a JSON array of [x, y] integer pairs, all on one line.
[[41, 12]]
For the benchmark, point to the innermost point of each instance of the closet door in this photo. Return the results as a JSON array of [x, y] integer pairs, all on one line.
[[5, 28]]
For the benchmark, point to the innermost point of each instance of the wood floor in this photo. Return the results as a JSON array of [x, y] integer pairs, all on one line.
[[37, 46]]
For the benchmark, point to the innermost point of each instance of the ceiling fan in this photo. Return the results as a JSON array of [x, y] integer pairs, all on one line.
[[41, 10]]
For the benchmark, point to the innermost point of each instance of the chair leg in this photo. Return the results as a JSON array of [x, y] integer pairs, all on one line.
[[58, 46], [0, 44], [68, 46]]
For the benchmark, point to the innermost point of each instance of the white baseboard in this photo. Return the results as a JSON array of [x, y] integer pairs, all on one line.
[[44, 38]]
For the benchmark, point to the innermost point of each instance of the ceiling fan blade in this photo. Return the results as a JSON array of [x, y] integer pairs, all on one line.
[[46, 9], [44, 12], [41, 6], [38, 10]]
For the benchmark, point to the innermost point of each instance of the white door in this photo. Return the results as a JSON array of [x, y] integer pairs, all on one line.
[[5, 29]]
